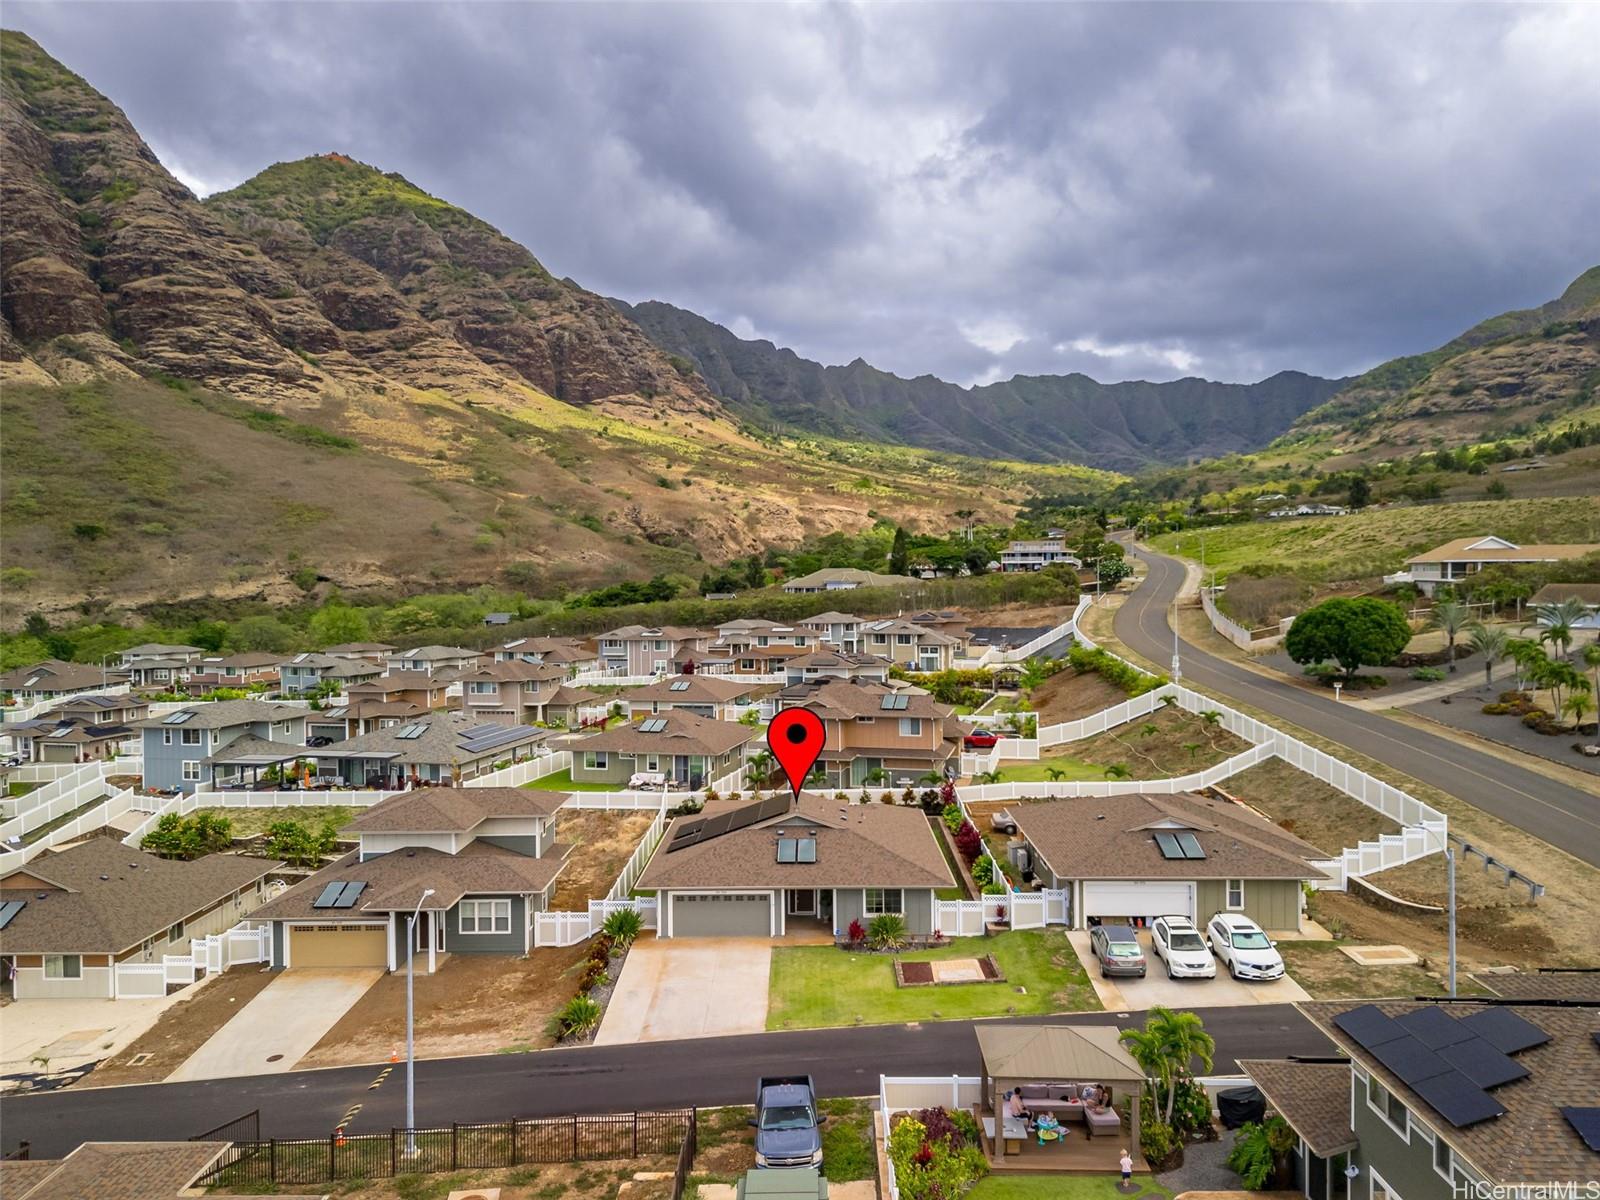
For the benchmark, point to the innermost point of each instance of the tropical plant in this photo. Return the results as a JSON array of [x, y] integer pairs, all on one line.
[[1166, 1048], [969, 842], [857, 933], [1490, 643], [1056, 773], [1591, 659], [577, 1017], [1193, 748], [188, 837], [987, 777], [1451, 617], [1118, 771], [953, 817], [760, 766], [983, 870], [622, 925], [1526, 655], [1559, 621], [299, 846], [1578, 704], [1260, 1151], [1149, 729], [887, 931]]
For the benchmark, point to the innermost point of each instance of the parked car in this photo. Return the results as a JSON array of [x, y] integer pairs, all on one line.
[[981, 739], [788, 1129], [1002, 822], [1178, 943], [1116, 949], [319, 740], [1240, 943]]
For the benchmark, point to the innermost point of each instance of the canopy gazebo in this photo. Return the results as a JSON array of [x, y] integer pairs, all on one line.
[[1055, 1061]]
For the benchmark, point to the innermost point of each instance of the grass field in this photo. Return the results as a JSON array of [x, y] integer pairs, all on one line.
[[1062, 1187], [1375, 542], [815, 987], [247, 822], [562, 781]]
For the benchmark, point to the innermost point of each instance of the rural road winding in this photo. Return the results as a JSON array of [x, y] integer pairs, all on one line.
[[1558, 813]]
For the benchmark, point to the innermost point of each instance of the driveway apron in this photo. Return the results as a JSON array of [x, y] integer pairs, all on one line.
[[688, 988]]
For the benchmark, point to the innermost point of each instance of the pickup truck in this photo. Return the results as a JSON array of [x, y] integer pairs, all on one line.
[[788, 1128]]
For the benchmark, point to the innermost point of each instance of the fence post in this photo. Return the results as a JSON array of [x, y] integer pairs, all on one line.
[[272, 1159], [574, 1139], [453, 1149], [333, 1161], [636, 1134], [394, 1156]]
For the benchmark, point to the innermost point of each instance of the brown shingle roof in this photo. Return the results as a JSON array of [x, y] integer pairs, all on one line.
[[1458, 551], [1531, 1142], [1560, 985], [453, 810], [1112, 837], [845, 699], [1313, 1097], [113, 1171], [54, 675], [1555, 593], [221, 714], [861, 845], [685, 733], [701, 689], [141, 895]]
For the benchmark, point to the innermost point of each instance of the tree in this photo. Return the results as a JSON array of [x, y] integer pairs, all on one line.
[[1360, 492], [1167, 1047], [1591, 659], [1491, 643], [262, 633], [1451, 617], [1118, 771], [335, 624], [1112, 570], [189, 837], [1558, 620], [299, 846], [898, 553], [1351, 632]]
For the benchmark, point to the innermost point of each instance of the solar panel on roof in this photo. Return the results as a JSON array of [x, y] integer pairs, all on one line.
[[788, 849], [1482, 1063], [1458, 1100], [10, 909], [408, 732], [653, 725], [679, 685], [177, 718], [348, 897], [773, 806], [329, 894], [1434, 1027], [686, 828], [1168, 845], [1190, 845], [1585, 1123], [1410, 1059], [716, 826], [744, 816], [1369, 1026], [1505, 1031], [806, 850]]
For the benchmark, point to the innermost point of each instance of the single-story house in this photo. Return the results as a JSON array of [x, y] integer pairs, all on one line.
[[1457, 559], [1586, 594], [702, 695], [235, 670], [685, 748], [1140, 856], [754, 868], [83, 729], [124, 1170], [447, 747], [54, 679], [842, 579], [488, 853], [206, 742], [69, 915]]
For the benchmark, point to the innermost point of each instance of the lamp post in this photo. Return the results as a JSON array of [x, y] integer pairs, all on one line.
[[411, 1057]]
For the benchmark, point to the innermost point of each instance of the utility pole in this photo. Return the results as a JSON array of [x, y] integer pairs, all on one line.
[[1450, 875], [1177, 663]]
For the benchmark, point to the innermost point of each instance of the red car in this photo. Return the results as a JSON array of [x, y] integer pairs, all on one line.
[[982, 739]]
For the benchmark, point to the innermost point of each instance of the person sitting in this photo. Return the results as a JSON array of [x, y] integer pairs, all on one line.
[[1015, 1107]]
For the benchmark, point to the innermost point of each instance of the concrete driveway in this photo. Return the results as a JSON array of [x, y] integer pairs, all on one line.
[[68, 1033], [278, 1028], [689, 988], [1130, 995]]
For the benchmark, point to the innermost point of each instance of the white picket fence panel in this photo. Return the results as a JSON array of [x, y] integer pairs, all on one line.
[[958, 918], [526, 771], [994, 655], [63, 794], [140, 981], [180, 968], [18, 713], [1245, 639], [606, 679], [560, 928], [95, 818], [44, 772], [1027, 910], [599, 910]]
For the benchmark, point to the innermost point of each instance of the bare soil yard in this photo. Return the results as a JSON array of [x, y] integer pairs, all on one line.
[[602, 842], [474, 1004], [1329, 974], [1307, 807], [1068, 695], [249, 822], [1170, 741], [183, 1028]]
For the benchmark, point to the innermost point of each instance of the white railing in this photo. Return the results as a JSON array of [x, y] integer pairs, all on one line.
[[526, 771], [18, 713], [958, 918], [185, 803], [95, 818], [561, 928], [1245, 639], [40, 772], [63, 794], [624, 799], [641, 855], [140, 981], [599, 910]]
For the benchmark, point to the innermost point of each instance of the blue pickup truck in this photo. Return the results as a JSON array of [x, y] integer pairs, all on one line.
[[788, 1127]]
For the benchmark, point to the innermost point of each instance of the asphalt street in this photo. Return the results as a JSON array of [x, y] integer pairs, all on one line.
[[1561, 814], [652, 1075]]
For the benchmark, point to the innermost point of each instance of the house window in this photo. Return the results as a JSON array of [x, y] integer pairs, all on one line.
[[485, 916], [166, 737], [880, 639], [594, 760], [63, 966], [483, 689], [283, 728], [866, 720], [884, 900], [191, 737], [1379, 1188], [652, 763], [660, 645], [1388, 1106], [910, 726], [1235, 894], [902, 639], [175, 933], [1444, 1160], [191, 770]]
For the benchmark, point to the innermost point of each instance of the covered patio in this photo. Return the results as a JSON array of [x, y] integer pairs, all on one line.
[[241, 762], [1050, 1066]]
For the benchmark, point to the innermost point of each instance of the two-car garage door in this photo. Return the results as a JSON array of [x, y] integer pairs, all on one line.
[[1115, 899], [338, 946], [722, 914]]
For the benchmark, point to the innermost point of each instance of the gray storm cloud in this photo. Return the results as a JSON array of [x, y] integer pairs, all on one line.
[[973, 191]]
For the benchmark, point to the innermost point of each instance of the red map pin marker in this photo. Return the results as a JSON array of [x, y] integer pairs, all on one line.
[[795, 737]]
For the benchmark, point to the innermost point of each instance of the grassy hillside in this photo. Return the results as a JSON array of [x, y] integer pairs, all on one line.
[[1375, 542]]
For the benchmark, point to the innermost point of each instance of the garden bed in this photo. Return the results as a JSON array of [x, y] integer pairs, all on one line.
[[950, 972]]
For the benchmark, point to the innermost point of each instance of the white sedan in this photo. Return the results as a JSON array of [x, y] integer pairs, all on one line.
[[1248, 952], [1178, 944]]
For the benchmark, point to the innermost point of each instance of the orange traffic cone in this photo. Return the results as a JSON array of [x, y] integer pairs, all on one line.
[[394, 1053], [338, 1136]]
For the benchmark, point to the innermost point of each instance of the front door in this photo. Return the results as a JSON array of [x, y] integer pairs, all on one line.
[[426, 925], [802, 902]]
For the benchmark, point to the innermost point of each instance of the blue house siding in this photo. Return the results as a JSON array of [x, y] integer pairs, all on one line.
[[165, 750]]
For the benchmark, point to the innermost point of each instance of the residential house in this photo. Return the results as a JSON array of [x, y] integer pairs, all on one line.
[[429, 660], [687, 749], [442, 747], [84, 729], [375, 652], [840, 630], [308, 671], [498, 618], [219, 742], [723, 660], [1035, 554], [69, 915], [879, 734], [1137, 856], [702, 695], [1586, 594], [1443, 1099], [515, 693], [571, 653], [911, 646], [1308, 510], [488, 854], [157, 665], [769, 867], [842, 579], [824, 664], [1456, 560], [357, 717], [235, 670], [751, 632], [54, 679], [640, 650], [404, 687], [125, 1170], [150, 651]]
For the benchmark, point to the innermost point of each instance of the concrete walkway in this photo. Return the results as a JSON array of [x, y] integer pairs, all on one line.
[[281, 1025], [688, 988]]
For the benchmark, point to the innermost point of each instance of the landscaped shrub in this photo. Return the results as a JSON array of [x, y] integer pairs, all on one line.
[[299, 846], [995, 888], [189, 837], [577, 1017], [933, 1168], [887, 931], [940, 1124], [622, 926], [1159, 1144], [1260, 1153], [857, 933], [983, 871], [1113, 670], [954, 817], [1428, 674], [969, 841]]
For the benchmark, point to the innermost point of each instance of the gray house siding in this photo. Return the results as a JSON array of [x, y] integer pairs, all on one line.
[[163, 763], [522, 845], [919, 912], [278, 928], [849, 904], [1407, 1169], [512, 942]]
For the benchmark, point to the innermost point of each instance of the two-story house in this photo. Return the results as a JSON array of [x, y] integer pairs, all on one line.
[[226, 741], [83, 729], [376, 652], [307, 671], [687, 749], [1035, 554], [429, 660], [572, 653], [824, 664], [156, 665], [909, 645], [1443, 1099], [403, 687], [840, 630], [235, 670], [879, 734], [479, 861], [641, 650], [54, 679], [702, 695], [356, 717], [442, 748], [516, 693]]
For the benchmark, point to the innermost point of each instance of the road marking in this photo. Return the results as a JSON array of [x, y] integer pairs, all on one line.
[[349, 1115], [378, 1082]]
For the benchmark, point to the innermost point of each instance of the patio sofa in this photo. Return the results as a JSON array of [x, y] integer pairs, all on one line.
[[1065, 1101]]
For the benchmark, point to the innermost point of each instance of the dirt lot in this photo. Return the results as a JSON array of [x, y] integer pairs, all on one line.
[[564, 1181], [183, 1028], [602, 843], [1307, 807], [1329, 974], [1068, 695], [474, 1004], [1170, 741]]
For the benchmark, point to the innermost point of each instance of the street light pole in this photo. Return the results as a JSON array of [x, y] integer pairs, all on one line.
[[411, 1057], [1450, 875]]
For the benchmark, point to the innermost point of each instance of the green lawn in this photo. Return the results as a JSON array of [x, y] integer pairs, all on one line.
[[959, 892], [1039, 772], [818, 986], [1060, 1187], [15, 788], [847, 1149], [562, 781]]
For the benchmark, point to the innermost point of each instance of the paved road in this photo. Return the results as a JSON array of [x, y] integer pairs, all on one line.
[[1560, 814], [714, 1071]]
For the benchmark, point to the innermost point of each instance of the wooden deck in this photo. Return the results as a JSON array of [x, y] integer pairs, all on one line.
[[1076, 1152]]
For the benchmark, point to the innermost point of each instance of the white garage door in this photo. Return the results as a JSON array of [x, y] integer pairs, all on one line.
[[727, 914], [1140, 898]]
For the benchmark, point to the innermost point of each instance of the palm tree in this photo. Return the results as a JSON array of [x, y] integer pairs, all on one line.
[[1450, 616], [987, 776], [1056, 774], [1118, 771], [1526, 654], [760, 765], [1167, 1047], [1193, 748], [1149, 729], [1578, 704], [1558, 620], [1591, 659], [1489, 642]]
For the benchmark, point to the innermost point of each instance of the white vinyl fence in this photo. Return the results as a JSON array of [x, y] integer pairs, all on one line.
[[185, 803], [207, 956], [526, 771], [19, 713], [1246, 639], [641, 855]]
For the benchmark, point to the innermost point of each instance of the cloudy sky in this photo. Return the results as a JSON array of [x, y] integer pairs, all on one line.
[[971, 190]]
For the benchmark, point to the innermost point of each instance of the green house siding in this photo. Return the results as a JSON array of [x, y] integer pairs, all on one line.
[[511, 942], [1273, 904], [1407, 1169]]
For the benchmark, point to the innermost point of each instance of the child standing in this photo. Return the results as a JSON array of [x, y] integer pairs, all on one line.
[[1127, 1167]]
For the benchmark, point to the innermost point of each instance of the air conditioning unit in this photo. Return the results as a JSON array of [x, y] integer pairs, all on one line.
[[1020, 858]]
